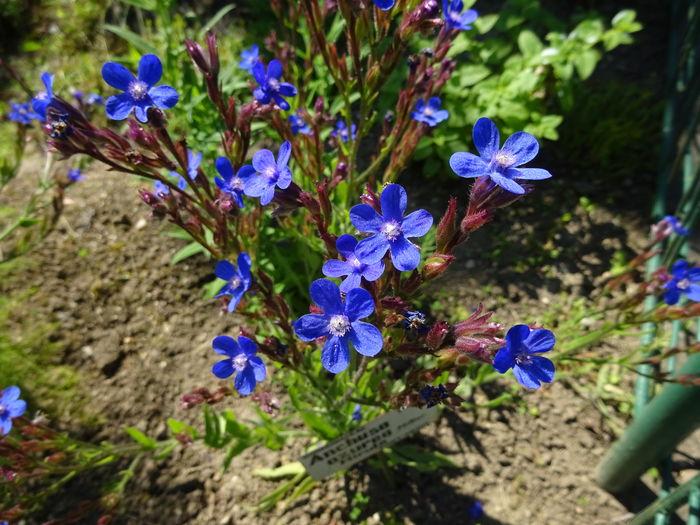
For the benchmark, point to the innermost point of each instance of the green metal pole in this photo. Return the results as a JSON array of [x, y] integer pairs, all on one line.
[[671, 502], [665, 421]]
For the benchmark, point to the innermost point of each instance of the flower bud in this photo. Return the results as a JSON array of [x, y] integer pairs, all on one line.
[[447, 228], [436, 265], [437, 335]]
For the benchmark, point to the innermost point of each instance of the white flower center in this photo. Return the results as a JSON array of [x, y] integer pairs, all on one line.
[[391, 230], [455, 15], [138, 90], [339, 325], [354, 262], [235, 281], [503, 159], [683, 284], [240, 362], [273, 84], [428, 111], [3, 409], [236, 184], [523, 359], [271, 173]]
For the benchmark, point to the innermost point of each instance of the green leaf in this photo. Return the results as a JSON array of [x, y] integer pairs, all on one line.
[[590, 31], [140, 438], [319, 425], [484, 24], [185, 252], [148, 5], [471, 74], [135, 40], [586, 62], [285, 471], [216, 18], [529, 44], [26, 222]]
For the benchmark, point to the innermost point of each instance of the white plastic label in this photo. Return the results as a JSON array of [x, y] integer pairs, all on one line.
[[361, 443]]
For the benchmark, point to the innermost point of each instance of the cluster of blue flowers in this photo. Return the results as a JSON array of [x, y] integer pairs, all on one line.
[[452, 9]]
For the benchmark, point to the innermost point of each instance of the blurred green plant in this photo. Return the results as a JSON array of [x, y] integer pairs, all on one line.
[[523, 81]]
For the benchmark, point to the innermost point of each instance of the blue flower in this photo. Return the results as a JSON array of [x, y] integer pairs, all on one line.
[[160, 188], [522, 344], [299, 125], [384, 5], [454, 18], [270, 86], [351, 266], [242, 360], [341, 130], [429, 113], [232, 183], [42, 100], [249, 57], [340, 324], [434, 395], [475, 510], [93, 99], [675, 225], [237, 279], [23, 113], [193, 162], [357, 413], [10, 406], [501, 165], [391, 230], [139, 93], [75, 175], [683, 281], [270, 174], [414, 322]]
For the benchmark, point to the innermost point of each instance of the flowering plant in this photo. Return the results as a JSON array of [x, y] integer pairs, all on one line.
[[329, 199]]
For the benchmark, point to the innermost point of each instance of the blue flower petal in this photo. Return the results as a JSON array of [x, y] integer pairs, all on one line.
[[522, 146], [17, 408], [267, 195], [528, 173], [236, 297], [335, 355], [393, 200], [225, 270], [274, 69], [506, 183], [141, 110], [365, 218], [245, 381], [372, 249], [353, 280], [384, 5], [247, 346], [256, 186], [515, 338], [326, 294], [150, 69], [223, 369], [417, 224], [679, 268], [287, 90], [468, 165], [117, 76], [366, 338], [310, 327], [5, 425], [693, 274], [672, 296], [163, 97], [223, 166], [346, 245], [404, 254], [259, 73], [539, 341], [358, 304], [526, 377], [119, 106], [9, 394], [285, 178], [264, 161], [226, 345], [373, 271], [283, 155], [336, 268], [486, 139], [244, 264], [258, 368], [693, 292], [504, 360]]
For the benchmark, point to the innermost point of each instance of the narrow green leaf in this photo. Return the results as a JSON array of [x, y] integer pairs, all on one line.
[[135, 40], [140, 438], [185, 252], [215, 19]]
